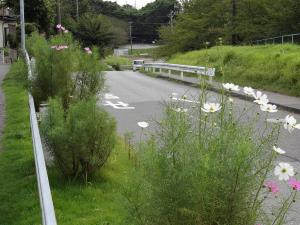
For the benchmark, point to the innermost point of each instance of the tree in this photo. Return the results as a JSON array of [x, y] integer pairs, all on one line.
[[40, 12], [93, 30]]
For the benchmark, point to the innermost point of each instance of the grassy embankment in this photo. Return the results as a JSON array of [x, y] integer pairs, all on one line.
[[98, 202], [272, 67], [18, 188]]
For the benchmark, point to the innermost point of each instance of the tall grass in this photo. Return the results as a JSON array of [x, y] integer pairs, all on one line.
[[271, 67]]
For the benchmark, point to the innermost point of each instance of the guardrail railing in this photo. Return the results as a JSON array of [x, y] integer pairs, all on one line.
[[289, 38], [46, 203], [199, 70]]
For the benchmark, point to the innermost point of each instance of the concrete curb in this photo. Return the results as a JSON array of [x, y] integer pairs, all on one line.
[[233, 94]]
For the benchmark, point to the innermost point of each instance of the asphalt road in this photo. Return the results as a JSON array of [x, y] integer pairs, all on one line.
[[135, 97]]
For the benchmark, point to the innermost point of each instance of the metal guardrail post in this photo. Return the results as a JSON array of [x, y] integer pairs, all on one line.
[[46, 203]]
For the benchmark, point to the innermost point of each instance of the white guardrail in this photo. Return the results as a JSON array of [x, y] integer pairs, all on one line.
[[210, 72], [46, 203]]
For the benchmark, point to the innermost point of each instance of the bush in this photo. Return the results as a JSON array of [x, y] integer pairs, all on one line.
[[203, 168], [41, 82], [67, 73], [81, 141], [89, 79]]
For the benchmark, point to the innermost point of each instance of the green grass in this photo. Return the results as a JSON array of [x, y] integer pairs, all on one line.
[[145, 53], [97, 203], [117, 60], [271, 67], [18, 189]]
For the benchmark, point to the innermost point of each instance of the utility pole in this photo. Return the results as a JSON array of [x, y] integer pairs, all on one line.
[[22, 23], [172, 14], [77, 10], [58, 12], [130, 34], [234, 36]]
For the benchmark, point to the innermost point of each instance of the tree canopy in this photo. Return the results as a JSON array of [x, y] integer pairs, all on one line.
[[203, 21]]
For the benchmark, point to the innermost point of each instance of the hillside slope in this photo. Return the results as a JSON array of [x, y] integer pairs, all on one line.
[[271, 67]]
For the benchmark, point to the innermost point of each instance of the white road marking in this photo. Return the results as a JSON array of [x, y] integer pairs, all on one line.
[[118, 105], [110, 96]]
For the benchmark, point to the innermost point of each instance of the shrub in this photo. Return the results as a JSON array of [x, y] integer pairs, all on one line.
[[204, 168], [89, 79], [81, 141], [41, 82], [65, 73]]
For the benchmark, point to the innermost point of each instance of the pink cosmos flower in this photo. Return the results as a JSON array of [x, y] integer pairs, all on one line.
[[88, 50], [272, 186], [294, 184], [58, 26]]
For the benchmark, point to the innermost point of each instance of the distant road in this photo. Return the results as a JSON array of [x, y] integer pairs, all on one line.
[[140, 46]]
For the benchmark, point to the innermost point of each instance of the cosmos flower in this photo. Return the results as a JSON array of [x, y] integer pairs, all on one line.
[[249, 91], [260, 98], [295, 184], [290, 123], [269, 108], [211, 107], [272, 186], [231, 87], [278, 150], [143, 124], [284, 171]]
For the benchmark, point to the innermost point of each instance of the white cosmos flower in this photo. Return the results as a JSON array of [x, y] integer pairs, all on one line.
[[143, 124], [269, 108], [284, 171], [278, 150], [181, 110], [249, 91], [231, 87], [260, 98], [290, 123], [211, 107]]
